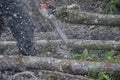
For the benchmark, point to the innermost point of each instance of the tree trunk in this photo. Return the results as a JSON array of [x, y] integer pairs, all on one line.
[[74, 43], [67, 66], [80, 17]]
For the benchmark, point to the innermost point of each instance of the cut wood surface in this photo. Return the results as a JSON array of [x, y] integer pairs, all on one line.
[[61, 65], [74, 43], [81, 17]]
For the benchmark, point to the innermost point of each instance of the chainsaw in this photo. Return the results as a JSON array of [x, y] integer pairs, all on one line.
[[47, 10]]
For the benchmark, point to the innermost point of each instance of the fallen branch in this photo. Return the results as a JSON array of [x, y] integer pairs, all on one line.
[[67, 66], [62, 76], [24, 73], [74, 43], [81, 17]]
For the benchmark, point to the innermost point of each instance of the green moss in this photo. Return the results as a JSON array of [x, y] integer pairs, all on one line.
[[95, 55], [109, 6], [100, 75], [52, 77]]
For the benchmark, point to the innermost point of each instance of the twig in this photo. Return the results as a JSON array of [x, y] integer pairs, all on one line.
[[25, 73]]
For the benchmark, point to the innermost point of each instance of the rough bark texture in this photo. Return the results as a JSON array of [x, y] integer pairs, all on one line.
[[69, 66], [80, 17], [74, 43]]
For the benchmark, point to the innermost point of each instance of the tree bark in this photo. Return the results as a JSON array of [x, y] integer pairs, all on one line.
[[67, 66], [80, 17], [74, 43]]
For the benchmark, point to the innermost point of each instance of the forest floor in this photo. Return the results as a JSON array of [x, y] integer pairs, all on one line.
[[73, 31]]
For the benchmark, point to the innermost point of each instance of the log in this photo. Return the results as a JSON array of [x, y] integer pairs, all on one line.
[[60, 65], [81, 17], [63, 76], [95, 44], [45, 74], [73, 43]]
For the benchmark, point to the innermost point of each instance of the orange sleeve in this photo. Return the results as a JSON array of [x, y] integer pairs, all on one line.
[[44, 6]]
